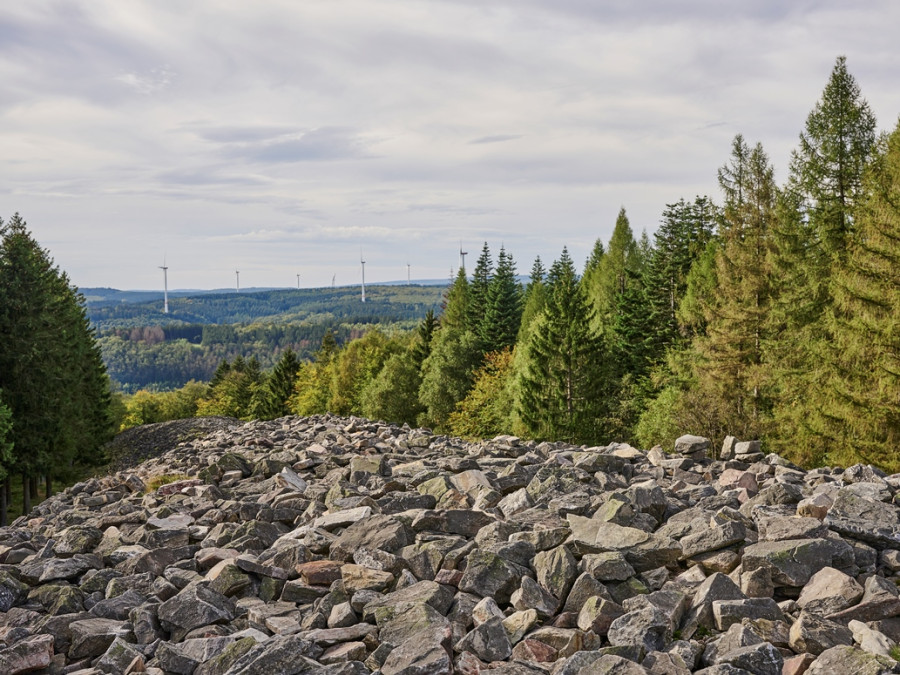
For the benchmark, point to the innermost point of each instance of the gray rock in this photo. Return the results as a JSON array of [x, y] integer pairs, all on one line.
[[845, 659], [814, 634], [488, 641]]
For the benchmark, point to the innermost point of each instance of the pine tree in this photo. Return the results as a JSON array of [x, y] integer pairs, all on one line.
[[533, 301], [862, 411], [503, 311], [557, 392]]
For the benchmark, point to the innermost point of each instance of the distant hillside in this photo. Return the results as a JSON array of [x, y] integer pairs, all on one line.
[[145, 348], [110, 308]]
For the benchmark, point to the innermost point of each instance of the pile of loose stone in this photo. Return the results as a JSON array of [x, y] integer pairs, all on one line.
[[343, 546]]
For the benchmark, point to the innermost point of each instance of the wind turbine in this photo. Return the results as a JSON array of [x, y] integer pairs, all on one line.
[[298, 282], [408, 282], [462, 257], [165, 286], [362, 264], [237, 277], [333, 277]]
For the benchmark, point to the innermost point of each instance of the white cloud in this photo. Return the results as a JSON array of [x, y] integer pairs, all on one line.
[[279, 135]]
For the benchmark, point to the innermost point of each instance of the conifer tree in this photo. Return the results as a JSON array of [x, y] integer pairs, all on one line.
[[815, 229], [503, 311], [557, 392], [862, 411], [683, 234], [533, 301], [609, 278], [53, 379], [279, 387], [478, 289], [731, 370]]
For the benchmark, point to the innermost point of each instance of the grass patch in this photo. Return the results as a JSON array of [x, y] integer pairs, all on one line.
[[158, 481]]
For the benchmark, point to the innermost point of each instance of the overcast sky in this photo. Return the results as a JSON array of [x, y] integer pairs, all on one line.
[[284, 137]]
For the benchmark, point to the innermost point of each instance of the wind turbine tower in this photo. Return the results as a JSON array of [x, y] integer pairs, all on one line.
[[165, 287], [408, 282], [462, 257], [362, 264], [237, 278], [298, 282]]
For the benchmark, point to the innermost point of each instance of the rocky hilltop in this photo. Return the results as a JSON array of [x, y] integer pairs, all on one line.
[[343, 546]]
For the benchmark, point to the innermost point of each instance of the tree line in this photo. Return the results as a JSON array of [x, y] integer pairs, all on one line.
[[770, 313]]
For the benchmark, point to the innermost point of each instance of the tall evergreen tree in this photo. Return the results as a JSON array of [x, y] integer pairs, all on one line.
[[503, 312], [51, 373], [683, 234], [279, 387], [609, 278], [862, 411], [731, 367], [479, 288], [558, 390], [815, 229]]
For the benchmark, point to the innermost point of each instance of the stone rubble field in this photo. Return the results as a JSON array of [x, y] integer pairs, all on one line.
[[348, 547]]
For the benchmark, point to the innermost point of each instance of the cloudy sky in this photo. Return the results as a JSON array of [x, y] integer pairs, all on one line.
[[284, 137]]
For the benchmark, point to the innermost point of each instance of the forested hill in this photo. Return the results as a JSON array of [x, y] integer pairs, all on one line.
[[108, 308], [145, 348]]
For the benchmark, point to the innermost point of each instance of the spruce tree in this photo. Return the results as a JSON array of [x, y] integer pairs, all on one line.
[[478, 289], [862, 410], [730, 364], [503, 311], [279, 387], [53, 379], [558, 390], [815, 229], [609, 277]]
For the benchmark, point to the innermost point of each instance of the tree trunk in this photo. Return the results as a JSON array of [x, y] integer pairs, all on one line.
[[34, 489], [26, 495], [4, 495], [49, 487]]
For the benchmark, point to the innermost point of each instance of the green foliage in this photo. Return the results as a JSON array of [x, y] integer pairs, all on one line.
[[485, 411], [234, 392], [862, 414], [558, 390], [272, 401], [51, 373], [355, 366], [477, 301], [447, 374], [393, 394], [499, 326], [609, 277]]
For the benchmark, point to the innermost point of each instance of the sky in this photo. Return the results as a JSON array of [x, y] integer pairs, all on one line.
[[281, 138]]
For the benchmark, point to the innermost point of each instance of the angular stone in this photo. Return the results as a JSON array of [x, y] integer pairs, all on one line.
[[791, 562], [691, 445], [846, 660], [608, 566], [727, 612], [597, 615], [556, 569], [379, 532], [712, 539], [829, 591], [487, 574], [287, 654], [880, 601], [91, 637], [26, 655], [759, 659], [532, 595], [814, 634], [647, 627], [358, 578], [488, 641], [194, 607]]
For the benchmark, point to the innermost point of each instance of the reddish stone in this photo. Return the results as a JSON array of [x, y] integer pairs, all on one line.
[[320, 572], [532, 650]]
